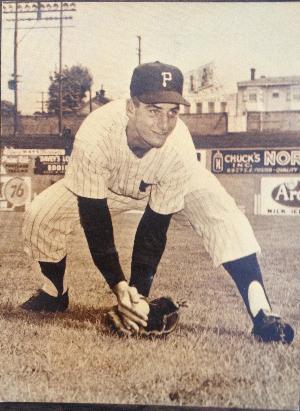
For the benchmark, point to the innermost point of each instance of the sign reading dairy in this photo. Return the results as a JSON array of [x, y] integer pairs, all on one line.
[[280, 195], [52, 164], [283, 161]]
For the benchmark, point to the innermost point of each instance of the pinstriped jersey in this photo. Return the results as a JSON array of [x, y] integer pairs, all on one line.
[[101, 160]]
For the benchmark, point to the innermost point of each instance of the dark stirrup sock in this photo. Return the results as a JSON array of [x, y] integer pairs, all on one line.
[[55, 273], [247, 276]]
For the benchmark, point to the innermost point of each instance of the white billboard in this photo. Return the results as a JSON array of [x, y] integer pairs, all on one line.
[[280, 196]]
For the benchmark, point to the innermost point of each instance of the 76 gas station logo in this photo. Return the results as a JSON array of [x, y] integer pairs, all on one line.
[[14, 192]]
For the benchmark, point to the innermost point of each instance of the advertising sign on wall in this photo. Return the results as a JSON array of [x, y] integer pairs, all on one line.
[[9, 151], [280, 196], [15, 192], [51, 164], [255, 161], [13, 164]]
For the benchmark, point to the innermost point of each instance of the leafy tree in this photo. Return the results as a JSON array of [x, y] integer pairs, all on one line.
[[7, 108], [76, 81]]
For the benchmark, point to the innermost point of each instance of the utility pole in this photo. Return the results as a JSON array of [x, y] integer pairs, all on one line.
[[15, 75], [60, 118], [0, 76], [139, 49], [43, 102], [39, 8], [90, 99]]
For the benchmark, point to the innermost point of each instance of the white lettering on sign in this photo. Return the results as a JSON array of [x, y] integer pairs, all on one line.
[[242, 158], [287, 195], [282, 192], [56, 167], [167, 76], [218, 163], [15, 159], [8, 151], [283, 158], [279, 195], [54, 159]]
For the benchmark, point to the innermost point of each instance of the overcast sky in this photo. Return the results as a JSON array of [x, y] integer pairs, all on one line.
[[235, 36]]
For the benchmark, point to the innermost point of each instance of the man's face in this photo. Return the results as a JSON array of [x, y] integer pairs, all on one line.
[[154, 123]]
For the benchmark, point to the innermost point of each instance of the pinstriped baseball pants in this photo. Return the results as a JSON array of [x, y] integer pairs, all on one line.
[[212, 212]]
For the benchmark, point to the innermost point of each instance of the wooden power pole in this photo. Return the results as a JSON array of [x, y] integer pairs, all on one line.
[[15, 75], [140, 49], [18, 7]]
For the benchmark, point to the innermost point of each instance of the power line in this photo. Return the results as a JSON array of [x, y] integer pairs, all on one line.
[[26, 34], [43, 102], [39, 27], [44, 18], [18, 7]]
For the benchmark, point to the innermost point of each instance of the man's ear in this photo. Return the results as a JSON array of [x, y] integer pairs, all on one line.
[[130, 108]]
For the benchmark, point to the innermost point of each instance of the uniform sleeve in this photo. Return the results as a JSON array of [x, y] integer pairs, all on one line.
[[88, 169], [96, 221], [149, 245]]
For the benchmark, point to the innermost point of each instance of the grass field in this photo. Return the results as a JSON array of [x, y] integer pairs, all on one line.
[[211, 360]]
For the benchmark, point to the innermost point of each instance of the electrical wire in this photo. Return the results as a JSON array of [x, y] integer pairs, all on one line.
[[26, 34]]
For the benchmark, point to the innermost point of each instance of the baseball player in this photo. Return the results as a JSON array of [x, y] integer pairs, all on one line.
[[138, 154]]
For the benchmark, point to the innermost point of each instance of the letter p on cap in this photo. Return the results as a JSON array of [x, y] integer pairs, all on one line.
[[167, 76]]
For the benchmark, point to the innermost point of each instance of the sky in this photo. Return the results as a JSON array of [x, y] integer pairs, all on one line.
[[235, 36]]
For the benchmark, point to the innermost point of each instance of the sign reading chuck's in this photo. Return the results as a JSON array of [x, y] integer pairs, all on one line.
[[255, 161]]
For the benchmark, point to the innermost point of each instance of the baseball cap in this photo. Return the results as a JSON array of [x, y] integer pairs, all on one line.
[[157, 83]]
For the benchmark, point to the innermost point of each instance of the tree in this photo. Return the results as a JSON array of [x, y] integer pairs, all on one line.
[[7, 108], [76, 81]]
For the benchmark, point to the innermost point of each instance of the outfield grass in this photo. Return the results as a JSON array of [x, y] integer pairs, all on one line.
[[211, 360]]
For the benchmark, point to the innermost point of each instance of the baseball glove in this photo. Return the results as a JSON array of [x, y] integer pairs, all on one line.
[[163, 319]]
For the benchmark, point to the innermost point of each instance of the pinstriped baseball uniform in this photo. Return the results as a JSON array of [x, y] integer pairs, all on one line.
[[169, 178], [98, 164]]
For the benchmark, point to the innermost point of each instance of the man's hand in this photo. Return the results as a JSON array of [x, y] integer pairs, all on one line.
[[163, 318], [128, 307]]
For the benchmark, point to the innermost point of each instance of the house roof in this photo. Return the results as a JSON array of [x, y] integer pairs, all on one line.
[[271, 81]]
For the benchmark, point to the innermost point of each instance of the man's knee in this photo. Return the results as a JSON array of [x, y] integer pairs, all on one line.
[[34, 210]]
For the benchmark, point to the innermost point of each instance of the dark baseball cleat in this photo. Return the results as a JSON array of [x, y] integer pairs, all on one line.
[[43, 302], [269, 327]]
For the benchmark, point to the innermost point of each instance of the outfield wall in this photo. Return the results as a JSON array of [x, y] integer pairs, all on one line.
[[264, 179], [42, 125], [212, 123]]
